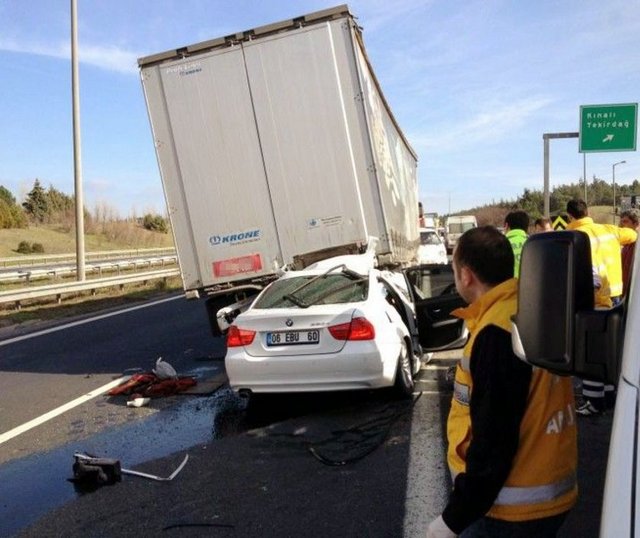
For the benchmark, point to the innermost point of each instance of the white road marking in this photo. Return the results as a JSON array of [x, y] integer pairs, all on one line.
[[78, 401], [426, 490], [83, 321], [59, 410]]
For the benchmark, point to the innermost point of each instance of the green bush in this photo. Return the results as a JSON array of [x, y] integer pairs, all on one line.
[[24, 247], [155, 223]]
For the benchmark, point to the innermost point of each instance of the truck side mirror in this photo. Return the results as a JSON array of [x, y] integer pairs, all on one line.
[[556, 326]]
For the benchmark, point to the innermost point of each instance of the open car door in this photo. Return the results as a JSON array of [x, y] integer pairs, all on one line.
[[434, 295]]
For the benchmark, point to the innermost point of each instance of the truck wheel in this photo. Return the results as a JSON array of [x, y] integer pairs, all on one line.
[[404, 383]]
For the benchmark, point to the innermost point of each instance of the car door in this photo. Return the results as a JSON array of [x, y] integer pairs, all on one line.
[[433, 290]]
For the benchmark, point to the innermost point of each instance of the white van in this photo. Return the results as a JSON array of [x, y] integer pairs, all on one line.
[[455, 226]]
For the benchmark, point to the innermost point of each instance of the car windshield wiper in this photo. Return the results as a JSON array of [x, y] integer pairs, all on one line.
[[295, 300], [343, 268], [329, 293]]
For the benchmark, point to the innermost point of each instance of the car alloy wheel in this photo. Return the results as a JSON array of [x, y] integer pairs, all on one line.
[[404, 383]]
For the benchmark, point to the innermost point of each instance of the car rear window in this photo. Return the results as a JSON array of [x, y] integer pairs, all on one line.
[[429, 238], [335, 288]]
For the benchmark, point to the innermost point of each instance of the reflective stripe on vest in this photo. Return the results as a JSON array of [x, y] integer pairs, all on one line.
[[461, 393], [510, 495]]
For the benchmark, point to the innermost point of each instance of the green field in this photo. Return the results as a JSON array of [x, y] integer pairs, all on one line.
[[114, 236], [111, 236]]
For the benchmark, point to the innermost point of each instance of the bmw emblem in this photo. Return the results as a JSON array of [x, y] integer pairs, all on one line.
[[289, 322]]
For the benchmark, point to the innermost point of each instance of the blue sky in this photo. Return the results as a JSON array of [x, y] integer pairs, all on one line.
[[473, 84]]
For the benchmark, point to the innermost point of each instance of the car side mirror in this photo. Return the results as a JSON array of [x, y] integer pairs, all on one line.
[[556, 326]]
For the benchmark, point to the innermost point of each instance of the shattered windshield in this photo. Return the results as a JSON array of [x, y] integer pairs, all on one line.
[[304, 291]]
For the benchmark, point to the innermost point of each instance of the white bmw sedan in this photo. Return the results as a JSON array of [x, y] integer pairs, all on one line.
[[332, 326]]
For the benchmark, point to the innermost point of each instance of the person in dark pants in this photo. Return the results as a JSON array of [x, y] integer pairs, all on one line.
[[511, 431]]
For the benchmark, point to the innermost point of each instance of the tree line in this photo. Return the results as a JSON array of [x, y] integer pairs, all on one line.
[[599, 193], [53, 207]]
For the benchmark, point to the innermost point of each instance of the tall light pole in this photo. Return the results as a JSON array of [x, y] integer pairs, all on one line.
[[77, 154], [613, 176]]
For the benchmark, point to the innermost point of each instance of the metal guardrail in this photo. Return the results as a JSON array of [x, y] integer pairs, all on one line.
[[57, 290], [60, 271], [106, 254]]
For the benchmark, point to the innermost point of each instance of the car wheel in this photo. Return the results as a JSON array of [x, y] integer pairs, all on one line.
[[404, 383]]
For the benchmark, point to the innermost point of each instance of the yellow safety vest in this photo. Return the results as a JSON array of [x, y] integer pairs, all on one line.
[[606, 240], [542, 480]]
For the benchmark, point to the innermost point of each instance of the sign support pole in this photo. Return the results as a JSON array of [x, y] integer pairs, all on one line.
[[546, 137]]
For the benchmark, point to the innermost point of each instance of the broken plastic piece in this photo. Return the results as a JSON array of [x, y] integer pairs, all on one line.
[[138, 401], [164, 370]]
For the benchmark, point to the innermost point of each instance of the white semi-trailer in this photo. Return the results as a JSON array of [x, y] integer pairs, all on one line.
[[277, 148]]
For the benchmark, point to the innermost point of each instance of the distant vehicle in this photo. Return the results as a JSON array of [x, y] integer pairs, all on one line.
[[429, 220], [342, 324], [455, 226], [432, 248]]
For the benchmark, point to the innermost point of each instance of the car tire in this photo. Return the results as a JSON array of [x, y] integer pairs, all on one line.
[[404, 383]]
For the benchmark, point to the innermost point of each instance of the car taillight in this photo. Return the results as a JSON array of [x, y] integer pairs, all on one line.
[[357, 329], [237, 337]]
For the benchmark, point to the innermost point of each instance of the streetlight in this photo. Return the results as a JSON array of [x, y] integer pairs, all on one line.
[[77, 154], [613, 175]]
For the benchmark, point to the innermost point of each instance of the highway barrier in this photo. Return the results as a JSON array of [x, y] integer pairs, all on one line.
[[17, 296]]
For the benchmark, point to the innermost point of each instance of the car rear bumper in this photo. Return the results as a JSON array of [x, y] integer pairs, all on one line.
[[310, 373]]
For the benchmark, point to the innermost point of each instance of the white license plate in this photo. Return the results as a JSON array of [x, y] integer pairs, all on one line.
[[292, 338]]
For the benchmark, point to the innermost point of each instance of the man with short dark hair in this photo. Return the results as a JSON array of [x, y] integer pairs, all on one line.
[[606, 240], [511, 429], [541, 225], [516, 226], [628, 219]]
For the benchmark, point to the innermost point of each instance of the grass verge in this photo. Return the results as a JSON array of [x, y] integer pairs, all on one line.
[[83, 304]]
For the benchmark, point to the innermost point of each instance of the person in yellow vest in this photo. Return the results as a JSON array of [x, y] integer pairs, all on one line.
[[511, 431], [606, 241]]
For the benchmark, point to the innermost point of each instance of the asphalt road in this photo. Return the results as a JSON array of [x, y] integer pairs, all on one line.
[[347, 464]]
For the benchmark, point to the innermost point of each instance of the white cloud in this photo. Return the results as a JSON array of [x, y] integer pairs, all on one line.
[[110, 58], [378, 14], [491, 124]]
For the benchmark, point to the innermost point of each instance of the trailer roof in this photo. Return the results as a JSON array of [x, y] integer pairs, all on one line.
[[246, 35]]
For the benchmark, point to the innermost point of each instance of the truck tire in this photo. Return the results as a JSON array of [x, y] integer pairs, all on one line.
[[404, 383]]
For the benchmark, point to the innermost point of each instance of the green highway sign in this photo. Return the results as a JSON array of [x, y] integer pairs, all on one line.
[[608, 127]]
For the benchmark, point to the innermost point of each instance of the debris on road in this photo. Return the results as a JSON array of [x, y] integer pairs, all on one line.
[[164, 370], [90, 471], [163, 380], [137, 401]]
